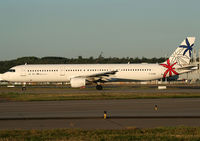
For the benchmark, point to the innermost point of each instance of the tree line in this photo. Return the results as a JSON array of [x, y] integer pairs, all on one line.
[[5, 65]]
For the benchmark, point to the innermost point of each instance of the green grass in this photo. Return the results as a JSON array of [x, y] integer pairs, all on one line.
[[58, 94], [11, 96], [155, 134], [15, 96]]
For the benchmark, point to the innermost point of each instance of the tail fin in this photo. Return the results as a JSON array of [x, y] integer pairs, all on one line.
[[182, 54]]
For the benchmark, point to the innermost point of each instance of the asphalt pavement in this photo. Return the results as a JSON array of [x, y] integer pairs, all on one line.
[[88, 114]]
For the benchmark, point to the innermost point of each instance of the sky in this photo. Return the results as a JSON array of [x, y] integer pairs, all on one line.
[[118, 28]]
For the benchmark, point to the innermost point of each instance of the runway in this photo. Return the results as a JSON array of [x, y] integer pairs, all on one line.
[[88, 114]]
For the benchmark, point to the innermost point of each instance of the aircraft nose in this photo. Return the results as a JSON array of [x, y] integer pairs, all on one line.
[[1, 77]]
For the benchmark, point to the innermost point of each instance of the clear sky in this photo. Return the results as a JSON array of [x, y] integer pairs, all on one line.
[[118, 28]]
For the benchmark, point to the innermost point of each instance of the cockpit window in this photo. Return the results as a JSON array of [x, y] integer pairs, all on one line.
[[11, 70]]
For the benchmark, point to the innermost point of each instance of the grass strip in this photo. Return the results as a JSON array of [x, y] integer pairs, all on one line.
[[12, 96], [158, 134]]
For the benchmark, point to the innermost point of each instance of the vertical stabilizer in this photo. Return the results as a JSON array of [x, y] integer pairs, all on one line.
[[182, 54]]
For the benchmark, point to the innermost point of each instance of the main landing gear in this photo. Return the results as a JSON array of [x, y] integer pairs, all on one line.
[[24, 86], [99, 87]]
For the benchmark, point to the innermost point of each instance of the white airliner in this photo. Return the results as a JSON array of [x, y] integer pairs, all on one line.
[[78, 75]]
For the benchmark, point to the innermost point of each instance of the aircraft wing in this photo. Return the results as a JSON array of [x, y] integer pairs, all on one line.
[[104, 74], [99, 77]]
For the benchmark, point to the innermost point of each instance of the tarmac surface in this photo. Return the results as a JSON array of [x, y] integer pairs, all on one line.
[[107, 88], [88, 114]]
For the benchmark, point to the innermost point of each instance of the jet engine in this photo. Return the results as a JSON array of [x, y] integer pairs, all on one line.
[[77, 82]]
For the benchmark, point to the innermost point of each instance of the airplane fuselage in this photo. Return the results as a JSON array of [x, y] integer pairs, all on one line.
[[64, 73]]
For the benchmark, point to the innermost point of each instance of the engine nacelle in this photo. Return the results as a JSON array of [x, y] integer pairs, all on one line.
[[77, 82]]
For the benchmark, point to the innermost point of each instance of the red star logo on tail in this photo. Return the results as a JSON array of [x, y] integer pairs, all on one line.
[[170, 69]]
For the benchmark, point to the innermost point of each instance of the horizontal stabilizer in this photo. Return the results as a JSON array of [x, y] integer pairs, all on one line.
[[189, 67]]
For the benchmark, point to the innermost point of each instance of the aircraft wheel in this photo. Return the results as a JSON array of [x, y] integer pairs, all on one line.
[[99, 87], [23, 88]]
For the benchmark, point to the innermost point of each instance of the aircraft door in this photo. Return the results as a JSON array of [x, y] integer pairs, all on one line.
[[23, 72], [62, 71]]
